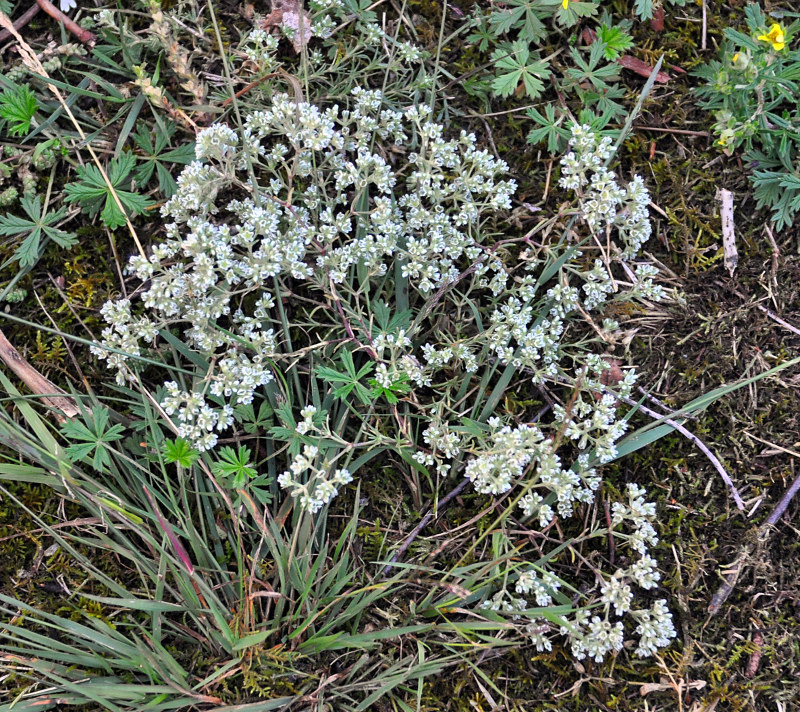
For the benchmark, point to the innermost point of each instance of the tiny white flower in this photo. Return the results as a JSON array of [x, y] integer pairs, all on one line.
[[67, 5]]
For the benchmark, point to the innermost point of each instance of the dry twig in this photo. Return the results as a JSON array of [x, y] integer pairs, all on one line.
[[697, 441], [83, 35], [725, 198], [762, 536], [772, 315], [51, 394], [423, 523], [21, 21]]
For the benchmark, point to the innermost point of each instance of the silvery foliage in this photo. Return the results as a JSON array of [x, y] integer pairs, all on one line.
[[337, 204]]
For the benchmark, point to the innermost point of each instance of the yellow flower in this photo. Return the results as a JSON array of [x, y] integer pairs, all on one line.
[[735, 57], [775, 37], [565, 4]]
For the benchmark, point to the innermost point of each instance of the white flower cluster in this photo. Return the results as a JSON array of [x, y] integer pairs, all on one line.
[[638, 514], [319, 488], [541, 588], [197, 420], [655, 628], [603, 202], [596, 635], [520, 336], [342, 214]]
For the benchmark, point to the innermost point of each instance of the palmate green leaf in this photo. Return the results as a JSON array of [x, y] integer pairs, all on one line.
[[592, 68], [615, 39], [17, 107], [549, 128], [92, 192], [575, 10], [349, 380], [155, 157], [36, 226], [96, 436], [234, 466], [525, 16], [514, 65], [180, 451]]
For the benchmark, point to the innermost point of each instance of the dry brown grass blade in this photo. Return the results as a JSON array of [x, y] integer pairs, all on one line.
[[31, 61], [36, 381]]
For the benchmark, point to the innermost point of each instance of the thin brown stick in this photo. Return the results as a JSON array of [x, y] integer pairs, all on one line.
[[21, 21], [83, 35], [697, 441], [248, 87], [423, 523], [685, 132], [776, 253], [781, 507], [763, 534], [84, 521], [611, 547], [704, 35], [663, 405], [772, 315]]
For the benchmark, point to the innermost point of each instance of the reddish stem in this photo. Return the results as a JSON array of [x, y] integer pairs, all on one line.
[[72, 26]]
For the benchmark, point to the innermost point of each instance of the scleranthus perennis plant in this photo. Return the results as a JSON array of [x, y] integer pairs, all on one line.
[[310, 264]]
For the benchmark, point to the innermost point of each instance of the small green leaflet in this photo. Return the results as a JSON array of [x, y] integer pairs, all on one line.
[[615, 39], [96, 436], [522, 15], [180, 451], [575, 10], [92, 192], [18, 106], [349, 380], [156, 157], [35, 227], [234, 466], [549, 128], [515, 65]]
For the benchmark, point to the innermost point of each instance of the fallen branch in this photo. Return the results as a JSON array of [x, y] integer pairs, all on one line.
[[51, 393]]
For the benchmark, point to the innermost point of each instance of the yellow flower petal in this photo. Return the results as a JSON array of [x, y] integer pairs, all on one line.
[[565, 4], [776, 37]]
